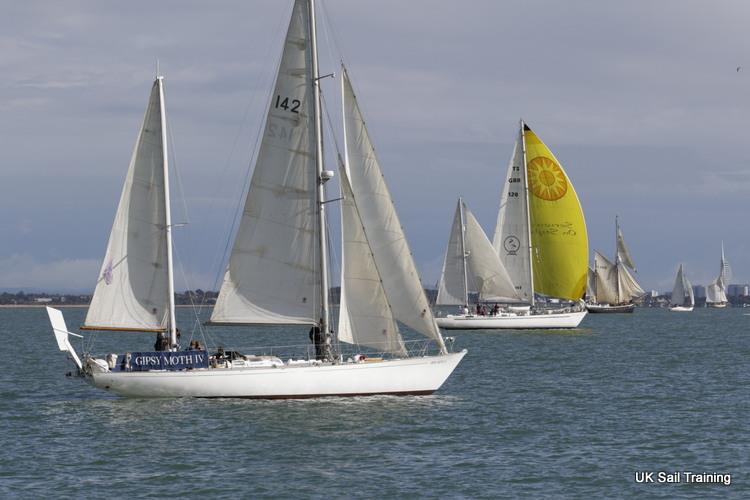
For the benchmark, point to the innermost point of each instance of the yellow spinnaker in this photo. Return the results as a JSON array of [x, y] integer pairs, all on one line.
[[560, 245]]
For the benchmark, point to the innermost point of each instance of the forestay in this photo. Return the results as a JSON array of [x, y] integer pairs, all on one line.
[[272, 275], [381, 224], [132, 290]]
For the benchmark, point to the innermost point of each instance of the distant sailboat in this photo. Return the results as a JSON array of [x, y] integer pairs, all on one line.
[[541, 242], [612, 288], [278, 269], [716, 291], [682, 299]]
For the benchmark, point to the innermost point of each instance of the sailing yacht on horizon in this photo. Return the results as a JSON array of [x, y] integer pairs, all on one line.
[[278, 269], [682, 299], [612, 288], [716, 291], [540, 241]]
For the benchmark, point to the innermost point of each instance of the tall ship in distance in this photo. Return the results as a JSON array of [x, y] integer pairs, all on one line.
[[539, 250], [612, 288], [716, 291]]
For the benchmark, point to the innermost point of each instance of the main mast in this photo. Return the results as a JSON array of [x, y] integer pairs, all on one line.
[[617, 257], [528, 212], [463, 249], [167, 214], [323, 249]]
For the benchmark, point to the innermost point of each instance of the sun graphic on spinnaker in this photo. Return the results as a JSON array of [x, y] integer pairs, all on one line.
[[546, 179]]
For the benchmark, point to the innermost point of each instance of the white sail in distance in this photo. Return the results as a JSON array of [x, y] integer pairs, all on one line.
[[623, 253], [682, 292], [606, 282], [390, 250], [276, 242], [511, 238], [453, 289], [471, 260], [132, 291]]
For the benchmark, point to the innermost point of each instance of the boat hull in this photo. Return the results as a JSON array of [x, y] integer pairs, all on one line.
[[417, 375], [717, 305], [513, 322], [681, 309], [606, 308]]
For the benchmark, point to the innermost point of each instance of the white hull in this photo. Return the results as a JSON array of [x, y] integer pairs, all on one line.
[[681, 309], [418, 375], [717, 305], [512, 321]]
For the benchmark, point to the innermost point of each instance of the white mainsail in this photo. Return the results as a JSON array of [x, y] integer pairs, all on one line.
[[682, 292], [453, 287], [511, 238], [132, 292], [277, 235], [365, 316], [390, 250]]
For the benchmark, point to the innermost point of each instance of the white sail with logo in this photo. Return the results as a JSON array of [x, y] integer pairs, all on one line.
[[132, 292], [511, 238], [390, 250], [272, 276]]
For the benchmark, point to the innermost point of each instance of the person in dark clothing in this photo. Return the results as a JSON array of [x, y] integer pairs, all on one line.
[[318, 340], [162, 342]]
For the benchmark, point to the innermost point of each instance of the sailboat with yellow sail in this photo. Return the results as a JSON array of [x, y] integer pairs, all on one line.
[[541, 240]]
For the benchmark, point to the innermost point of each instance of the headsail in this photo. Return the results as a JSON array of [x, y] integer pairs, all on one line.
[[132, 292], [591, 286], [365, 316], [629, 289], [390, 249], [487, 275], [511, 238], [559, 240], [277, 235]]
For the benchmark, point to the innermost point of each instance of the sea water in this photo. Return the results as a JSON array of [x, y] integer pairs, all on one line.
[[589, 413]]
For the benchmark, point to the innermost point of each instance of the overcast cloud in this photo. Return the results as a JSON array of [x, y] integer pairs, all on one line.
[[640, 100]]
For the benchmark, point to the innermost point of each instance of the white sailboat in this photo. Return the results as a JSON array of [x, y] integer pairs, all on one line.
[[278, 269], [541, 242], [683, 299], [612, 287], [716, 291]]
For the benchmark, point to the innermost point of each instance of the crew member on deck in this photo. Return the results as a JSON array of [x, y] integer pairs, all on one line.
[[318, 340]]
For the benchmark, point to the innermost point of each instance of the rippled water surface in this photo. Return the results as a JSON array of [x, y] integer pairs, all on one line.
[[525, 415]]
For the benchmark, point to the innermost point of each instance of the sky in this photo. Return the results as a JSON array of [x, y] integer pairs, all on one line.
[[641, 101]]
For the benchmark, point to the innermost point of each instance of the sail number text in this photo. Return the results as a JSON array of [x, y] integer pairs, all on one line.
[[287, 104]]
